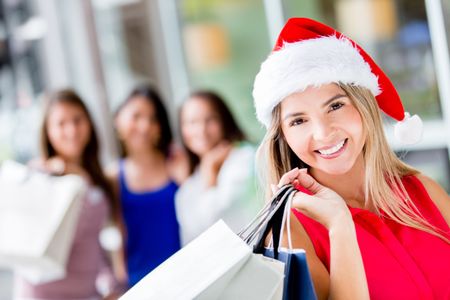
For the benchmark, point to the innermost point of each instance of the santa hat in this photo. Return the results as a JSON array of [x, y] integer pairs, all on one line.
[[309, 53]]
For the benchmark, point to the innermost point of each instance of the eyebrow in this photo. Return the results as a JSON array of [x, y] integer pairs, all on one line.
[[296, 114]]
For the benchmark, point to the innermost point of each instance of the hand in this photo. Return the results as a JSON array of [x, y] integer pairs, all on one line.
[[58, 166], [212, 162], [54, 165], [324, 205]]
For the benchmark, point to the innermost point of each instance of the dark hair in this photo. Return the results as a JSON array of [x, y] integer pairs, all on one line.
[[90, 157], [230, 129], [153, 97]]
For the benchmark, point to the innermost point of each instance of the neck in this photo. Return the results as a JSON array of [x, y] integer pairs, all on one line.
[[72, 160], [350, 186], [147, 157]]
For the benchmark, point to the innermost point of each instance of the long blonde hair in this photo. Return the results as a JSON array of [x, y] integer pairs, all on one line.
[[383, 188]]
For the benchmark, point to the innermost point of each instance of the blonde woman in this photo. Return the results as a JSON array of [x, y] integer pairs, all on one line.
[[373, 227]]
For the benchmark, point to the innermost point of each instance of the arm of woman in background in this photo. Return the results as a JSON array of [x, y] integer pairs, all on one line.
[[347, 278], [199, 205], [212, 162]]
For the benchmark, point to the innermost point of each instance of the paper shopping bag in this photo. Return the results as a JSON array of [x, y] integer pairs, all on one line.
[[38, 217], [216, 265]]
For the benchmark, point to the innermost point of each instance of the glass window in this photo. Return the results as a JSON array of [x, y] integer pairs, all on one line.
[[395, 33], [125, 46], [427, 160], [225, 42], [20, 79]]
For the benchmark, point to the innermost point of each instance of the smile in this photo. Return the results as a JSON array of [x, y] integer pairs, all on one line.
[[331, 151]]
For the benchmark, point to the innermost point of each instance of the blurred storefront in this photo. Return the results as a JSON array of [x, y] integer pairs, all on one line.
[[104, 47]]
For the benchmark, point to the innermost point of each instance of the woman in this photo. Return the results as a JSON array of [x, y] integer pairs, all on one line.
[[69, 145], [374, 226], [144, 183], [220, 184]]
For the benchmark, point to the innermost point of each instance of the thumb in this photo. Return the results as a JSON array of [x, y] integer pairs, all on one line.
[[308, 182]]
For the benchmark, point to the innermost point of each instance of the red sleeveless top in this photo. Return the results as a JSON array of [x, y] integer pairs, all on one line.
[[400, 262]]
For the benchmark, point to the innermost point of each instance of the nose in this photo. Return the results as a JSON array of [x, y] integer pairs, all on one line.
[[143, 124], [71, 129], [323, 130]]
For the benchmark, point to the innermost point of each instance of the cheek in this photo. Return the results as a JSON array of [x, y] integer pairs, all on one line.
[[356, 127], [54, 134], [123, 126], [215, 131], [298, 142], [85, 131]]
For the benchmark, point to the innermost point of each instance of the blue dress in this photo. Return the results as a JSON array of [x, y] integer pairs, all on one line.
[[152, 227]]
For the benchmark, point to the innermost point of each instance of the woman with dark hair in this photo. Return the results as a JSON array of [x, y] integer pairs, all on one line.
[[220, 184], [70, 146], [144, 182]]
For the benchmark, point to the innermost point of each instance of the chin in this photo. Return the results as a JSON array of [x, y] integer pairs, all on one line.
[[334, 170]]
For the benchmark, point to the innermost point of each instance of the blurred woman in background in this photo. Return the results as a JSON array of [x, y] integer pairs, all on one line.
[[70, 145], [144, 183], [221, 168]]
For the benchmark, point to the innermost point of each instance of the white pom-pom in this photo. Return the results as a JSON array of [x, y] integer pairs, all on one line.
[[409, 130], [110, 238]]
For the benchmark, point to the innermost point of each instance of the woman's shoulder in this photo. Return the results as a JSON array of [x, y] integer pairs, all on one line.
[[437, 194], [433, 188], [242, 151]]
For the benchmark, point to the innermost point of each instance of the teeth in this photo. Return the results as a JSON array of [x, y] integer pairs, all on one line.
[[333, 149]]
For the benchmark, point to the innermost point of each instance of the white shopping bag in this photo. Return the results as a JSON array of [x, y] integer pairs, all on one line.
[[216, 265], [38, 217]]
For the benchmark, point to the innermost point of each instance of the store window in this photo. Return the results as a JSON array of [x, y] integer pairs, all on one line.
[[21, 80], [225, 42], [396, 34]]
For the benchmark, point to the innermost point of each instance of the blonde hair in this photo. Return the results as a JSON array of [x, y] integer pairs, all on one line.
[[383, 188]]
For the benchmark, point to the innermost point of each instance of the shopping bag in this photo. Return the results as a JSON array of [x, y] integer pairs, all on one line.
[[38, 217], [216, 265], [273, 218]]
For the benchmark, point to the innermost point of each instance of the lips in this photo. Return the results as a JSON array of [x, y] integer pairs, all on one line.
[[333, 150]]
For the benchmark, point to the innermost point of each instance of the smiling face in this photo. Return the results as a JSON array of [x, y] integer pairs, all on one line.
[[137, 125], [323, 128], [68, 130], [201, 127]]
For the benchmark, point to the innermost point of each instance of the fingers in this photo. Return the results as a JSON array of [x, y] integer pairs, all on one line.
[[308, 182], [288, 177], [56, 166]]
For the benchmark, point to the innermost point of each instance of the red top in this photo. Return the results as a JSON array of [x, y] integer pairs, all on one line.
[[400, 262]]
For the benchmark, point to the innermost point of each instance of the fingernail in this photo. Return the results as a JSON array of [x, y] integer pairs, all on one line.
[[303, 170]]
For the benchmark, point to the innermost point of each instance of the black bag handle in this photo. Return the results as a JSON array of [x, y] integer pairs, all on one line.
[[274, 223]]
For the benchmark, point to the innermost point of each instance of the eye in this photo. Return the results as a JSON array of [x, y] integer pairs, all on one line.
[[297, 121], [336, 106]]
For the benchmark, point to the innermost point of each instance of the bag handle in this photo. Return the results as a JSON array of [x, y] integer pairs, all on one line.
[[274, 222], [286, 221], [259, 223]]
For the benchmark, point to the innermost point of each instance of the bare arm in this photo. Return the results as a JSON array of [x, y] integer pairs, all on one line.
[[439, 196], [347, 278]]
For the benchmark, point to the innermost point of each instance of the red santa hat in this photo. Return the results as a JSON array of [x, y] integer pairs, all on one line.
[[309, 53]]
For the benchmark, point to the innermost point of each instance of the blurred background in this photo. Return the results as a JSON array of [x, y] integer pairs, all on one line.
[[103, 48]]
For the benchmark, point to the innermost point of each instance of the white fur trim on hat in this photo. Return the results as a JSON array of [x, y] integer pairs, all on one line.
[[312, 62]]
